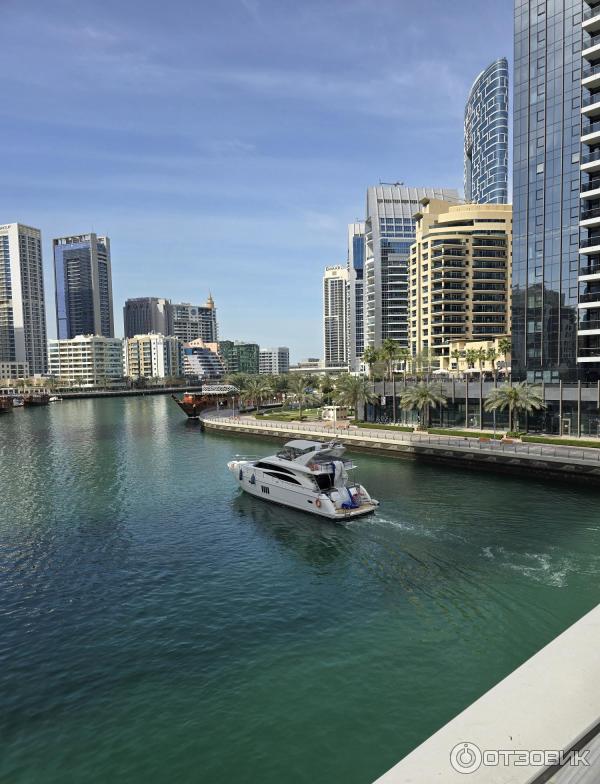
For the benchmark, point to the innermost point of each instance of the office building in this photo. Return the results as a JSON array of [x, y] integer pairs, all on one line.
[[555, 192], [87, 360], [190, 322], [240, 357], [144, 315], [152, 356], [274, 360], [486, 136], [22, 308], [355, 302], [335, 317], [83, 285], [460, 275], [389, 233], [201, 360]]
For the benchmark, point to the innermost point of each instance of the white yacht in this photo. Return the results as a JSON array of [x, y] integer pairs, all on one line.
[[306, 475]]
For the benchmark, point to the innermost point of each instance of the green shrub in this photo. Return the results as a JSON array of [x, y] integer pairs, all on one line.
[[443, 431], [561, 441], [402, 428]]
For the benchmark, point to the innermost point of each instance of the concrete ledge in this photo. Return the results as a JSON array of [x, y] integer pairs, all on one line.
[[551, 702]]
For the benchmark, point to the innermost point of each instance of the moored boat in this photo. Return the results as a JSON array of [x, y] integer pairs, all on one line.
[[6, 404], [193, 404], [36, 399], [306, 475]]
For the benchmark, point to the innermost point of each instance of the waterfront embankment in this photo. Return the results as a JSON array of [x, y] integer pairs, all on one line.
[[576, 464]]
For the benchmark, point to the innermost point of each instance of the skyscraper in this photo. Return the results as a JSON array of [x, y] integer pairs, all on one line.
[[335, 315], [22, 310], [195, 321], [486, 136], [549, 289], [144, 315], [389, 233], [355, 320], [83, 280]]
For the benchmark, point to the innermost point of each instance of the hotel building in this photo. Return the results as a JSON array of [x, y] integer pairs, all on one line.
[[190, 322], [460, 278], [83, 284], [22, 308], [144, 315], [355, 301], [335, 317]]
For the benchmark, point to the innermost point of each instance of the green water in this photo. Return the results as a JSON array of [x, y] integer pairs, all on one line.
[[156, 626]]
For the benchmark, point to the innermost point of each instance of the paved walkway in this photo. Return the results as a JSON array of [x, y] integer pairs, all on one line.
[[585, 456]]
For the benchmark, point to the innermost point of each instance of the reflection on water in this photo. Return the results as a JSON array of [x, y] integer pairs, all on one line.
[[155, 623]]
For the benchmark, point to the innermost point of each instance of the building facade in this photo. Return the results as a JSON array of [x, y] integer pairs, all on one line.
[[240, 357], [83, 285], [355, 301], [87, 360], [335, 317], [201, 360], [144, 315], [14, 370], [389, 233], [486, 136], [555, 295], [274, 361], [460, 275], [152, 356], [22, 306], [195, 321]]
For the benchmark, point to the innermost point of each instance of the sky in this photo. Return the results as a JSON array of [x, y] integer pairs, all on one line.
[[224, 147]]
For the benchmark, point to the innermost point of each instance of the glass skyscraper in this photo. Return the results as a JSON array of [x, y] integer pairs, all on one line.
[[83, 279], [556, 258], [355, 320], [486, 136]]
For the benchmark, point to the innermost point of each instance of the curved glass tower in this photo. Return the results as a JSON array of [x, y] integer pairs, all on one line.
[[486, 136]]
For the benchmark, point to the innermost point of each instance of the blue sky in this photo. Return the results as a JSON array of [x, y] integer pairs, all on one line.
[[225, 146]]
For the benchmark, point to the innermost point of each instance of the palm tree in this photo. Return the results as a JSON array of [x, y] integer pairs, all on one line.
[[297, 387], [326, 387], [491, 356], [370, 356], [505, 347], [456, 355], [515, 398], [421, 397], [351, 391], [471, 357], [389, 354], [481, 355], [257, 389], [403, 356]]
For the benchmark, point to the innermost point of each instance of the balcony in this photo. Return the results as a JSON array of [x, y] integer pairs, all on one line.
[[588, 354], [591, 106], [590, 76], [591, 327], [591, 20], [590, 132], [590, 217], [590, 247], [590, 189], [590, 300], [591, 49]]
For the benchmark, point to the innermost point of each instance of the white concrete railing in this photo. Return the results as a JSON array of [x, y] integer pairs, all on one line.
[[587, 455], [550, 704]]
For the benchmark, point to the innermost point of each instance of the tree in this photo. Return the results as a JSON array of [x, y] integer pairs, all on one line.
[[326, 387], [370, 356], [298, 388], [456, 355], [491, 356], [389, 354], [481, 354], [257, 389], [421, 397], [515, 398], [404, 356], [351, 391], [471, 357], [505, 347]]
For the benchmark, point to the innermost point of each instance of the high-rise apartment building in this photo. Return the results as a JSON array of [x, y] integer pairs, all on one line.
[[83, 284], [152, 356], [144, 315], [556, 191], [22, 308], [274, 361], [335, 317], [460, 278], [355, 319], [240, 357], [195, 321], [486, 136], [389, 233]]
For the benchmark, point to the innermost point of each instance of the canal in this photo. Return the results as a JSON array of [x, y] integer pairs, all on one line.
[[157, 626]]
